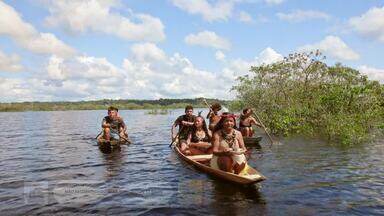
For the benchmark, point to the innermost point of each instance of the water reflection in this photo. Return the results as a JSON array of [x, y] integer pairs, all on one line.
[[113, 161], [239, 199]]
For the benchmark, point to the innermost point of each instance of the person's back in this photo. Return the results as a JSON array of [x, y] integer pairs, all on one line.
[[213, 115]]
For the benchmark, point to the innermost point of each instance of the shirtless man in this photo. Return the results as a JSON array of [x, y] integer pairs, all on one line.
[[213, 115], [246, 122], [113, 126]]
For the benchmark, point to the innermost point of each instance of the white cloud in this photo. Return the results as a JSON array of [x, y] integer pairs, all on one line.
[[96, 15], [208, 39], [245, 17], [332, 46], [268, 56], [172, 76], [9, 63], [370, 24], [220, 55], [81, 67], [12, 90], [147, 52], [303, 15], [372, 73], [274, 2], [220, 10], [142, 75], [240, 67], [25, 35], [78, 78]]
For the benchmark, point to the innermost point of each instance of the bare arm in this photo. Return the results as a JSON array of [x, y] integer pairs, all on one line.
[[186, 123], [173, 130], [189, 138], [123, 125], [240, 140], [253, 121], [104, 124], [201, 144], [215, 141]]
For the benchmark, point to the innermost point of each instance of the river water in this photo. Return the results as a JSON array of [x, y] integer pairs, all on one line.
[[50, 163]]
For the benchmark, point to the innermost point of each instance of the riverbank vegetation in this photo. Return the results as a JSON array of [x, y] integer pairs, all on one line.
[[303, 95], [161, 104], [157, 112]]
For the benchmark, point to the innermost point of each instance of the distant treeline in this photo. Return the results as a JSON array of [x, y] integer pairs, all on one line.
[[104, 104]]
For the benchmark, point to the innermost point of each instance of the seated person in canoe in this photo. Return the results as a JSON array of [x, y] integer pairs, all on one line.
[[246, 122], [213, 115], [185, 123], [199, 139], [228, 146], [113, 126]]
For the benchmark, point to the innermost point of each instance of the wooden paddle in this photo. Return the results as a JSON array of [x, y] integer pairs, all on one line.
[[206, 103], [262, 125], [126, 140], [174, 139], [98, 134]]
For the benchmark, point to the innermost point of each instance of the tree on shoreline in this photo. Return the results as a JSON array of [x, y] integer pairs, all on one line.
[[303, 95]]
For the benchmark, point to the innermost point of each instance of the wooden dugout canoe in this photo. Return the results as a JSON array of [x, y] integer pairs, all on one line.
[[101, 140], [201, 162], [109, 146]]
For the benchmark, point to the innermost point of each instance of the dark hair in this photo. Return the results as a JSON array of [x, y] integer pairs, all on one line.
[[224, 116], [216, 106], [188, 108], [205, 128], [246, 110], [113, 108], [242, 116]]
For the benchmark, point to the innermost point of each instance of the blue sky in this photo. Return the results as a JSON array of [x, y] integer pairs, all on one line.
[[87, 50]]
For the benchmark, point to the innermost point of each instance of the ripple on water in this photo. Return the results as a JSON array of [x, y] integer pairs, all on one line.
[[58, 168]]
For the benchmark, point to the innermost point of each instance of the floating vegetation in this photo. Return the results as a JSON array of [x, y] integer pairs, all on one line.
[[157, 112]]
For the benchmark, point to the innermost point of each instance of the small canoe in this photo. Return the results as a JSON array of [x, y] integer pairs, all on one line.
[[109, 146], [113, 142], [252, 141], [202, 162]]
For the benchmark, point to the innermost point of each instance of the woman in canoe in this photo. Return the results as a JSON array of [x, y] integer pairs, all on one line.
[[246, 122], [228, 146], [199, 139]]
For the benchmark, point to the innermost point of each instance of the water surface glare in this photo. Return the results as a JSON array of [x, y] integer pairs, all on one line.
[[50, 163]]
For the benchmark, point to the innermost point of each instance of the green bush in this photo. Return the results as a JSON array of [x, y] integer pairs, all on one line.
[[303, 95]]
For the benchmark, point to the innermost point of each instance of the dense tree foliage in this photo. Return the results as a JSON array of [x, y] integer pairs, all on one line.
[[303, 95]]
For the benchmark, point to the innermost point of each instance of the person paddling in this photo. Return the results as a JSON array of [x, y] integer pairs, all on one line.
[[185, 123], [213, 115], [246, 122], [228, 146], [113, 126]]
